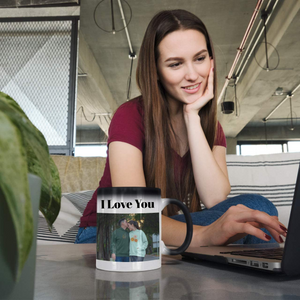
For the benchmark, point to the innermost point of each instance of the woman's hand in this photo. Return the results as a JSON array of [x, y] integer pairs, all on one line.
[[237, 222], [207, 95]]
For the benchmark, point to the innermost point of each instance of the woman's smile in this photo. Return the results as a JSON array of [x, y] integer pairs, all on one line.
[[192, 88]]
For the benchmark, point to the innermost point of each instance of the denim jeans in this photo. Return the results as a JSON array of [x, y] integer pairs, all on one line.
[[122, 258], [86, 235], [253, 201], [136, 258], [206, 217]]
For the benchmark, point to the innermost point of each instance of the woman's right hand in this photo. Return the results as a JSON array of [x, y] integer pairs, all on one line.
[[237, 222]]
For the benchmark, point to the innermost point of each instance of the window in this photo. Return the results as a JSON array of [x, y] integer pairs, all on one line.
[[38, 70], [257, 148], [293, 146]]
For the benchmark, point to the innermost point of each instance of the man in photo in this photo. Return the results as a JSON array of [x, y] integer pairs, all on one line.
[[120, 242]]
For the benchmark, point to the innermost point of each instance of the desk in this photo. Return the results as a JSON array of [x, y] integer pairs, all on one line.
[[68, 272]]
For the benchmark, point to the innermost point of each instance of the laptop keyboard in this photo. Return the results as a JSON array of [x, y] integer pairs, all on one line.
[[273, 253]]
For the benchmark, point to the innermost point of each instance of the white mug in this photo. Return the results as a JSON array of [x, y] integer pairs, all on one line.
[[129, 229]]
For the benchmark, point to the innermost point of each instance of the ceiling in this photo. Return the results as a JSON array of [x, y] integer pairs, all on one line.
[[104, 63]]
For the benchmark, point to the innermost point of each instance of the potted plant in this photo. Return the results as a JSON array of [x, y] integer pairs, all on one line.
[[26, 172]]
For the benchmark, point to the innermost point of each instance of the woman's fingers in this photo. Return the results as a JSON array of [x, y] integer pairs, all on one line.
[[250, 221], [209, 91], [245, 214], [239, 221], [275, 235], [273, 232], [249, 229]]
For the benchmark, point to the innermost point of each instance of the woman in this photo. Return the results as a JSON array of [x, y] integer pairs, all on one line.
[[138, 242], [170, 138]]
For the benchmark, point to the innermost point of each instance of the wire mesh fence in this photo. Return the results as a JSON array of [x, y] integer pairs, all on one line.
[[35, 58]]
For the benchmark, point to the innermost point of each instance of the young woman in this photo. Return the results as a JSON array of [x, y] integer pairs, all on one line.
[[169, 138], [138, 242]]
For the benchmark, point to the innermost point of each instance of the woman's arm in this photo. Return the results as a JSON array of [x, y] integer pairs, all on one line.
[[126, 167], [235, 223], [209, 166]]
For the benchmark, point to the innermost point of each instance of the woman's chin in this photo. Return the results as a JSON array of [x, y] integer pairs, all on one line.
[[189, 99]]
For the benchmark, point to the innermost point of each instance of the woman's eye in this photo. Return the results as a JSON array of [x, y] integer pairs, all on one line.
[[201, 58], [174, 65]]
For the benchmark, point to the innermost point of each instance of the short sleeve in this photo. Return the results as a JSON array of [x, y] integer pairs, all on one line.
[[127, 125], [220, 137]]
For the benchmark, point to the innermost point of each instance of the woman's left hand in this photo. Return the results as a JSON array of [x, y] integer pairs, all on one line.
[[207, 95]]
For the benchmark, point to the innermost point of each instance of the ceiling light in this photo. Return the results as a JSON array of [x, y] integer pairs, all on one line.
[[279, 91], [227, 107]]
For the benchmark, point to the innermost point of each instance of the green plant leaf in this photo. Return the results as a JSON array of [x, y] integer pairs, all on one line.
[[39, 161], [50, 198], [14, 185], [23, 149], [30, 134]]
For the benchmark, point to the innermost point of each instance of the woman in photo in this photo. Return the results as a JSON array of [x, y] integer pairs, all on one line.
[[169, 138], [138, 242]]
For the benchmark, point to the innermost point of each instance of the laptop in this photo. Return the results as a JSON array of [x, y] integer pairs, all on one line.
[[276, 258]]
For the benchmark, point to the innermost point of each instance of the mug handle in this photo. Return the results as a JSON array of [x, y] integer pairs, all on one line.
[[189, 225]]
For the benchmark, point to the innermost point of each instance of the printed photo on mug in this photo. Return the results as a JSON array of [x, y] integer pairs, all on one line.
[[128, 237], [129, 229]]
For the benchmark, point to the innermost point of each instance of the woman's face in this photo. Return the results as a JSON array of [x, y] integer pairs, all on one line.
[[131, 227], [183, 65]]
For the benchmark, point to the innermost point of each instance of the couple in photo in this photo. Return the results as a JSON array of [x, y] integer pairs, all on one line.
[[128, 246]]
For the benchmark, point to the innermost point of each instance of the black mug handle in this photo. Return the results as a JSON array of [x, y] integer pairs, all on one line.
[[189, 229]]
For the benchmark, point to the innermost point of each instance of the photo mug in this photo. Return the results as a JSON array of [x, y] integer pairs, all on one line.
[[129, 229]]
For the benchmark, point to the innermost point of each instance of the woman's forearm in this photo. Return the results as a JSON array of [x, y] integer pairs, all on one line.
[[174, 233], [212, 184], [235, 223]]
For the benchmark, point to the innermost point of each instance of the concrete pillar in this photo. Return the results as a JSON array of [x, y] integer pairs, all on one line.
[[231, 145]]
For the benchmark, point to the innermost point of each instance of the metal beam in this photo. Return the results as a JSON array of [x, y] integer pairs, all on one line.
[[276, 30], [34, 12]]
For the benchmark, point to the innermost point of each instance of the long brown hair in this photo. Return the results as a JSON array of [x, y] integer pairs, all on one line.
[[158, 161]]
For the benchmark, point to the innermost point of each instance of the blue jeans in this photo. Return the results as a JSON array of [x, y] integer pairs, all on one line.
[[253, 201], [122, 258], [136, 258], [86, 235]]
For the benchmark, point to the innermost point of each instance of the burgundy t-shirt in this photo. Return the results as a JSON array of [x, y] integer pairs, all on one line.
[[127, 125]]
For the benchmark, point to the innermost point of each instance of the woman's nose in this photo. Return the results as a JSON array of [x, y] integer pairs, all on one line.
[[191, 73]]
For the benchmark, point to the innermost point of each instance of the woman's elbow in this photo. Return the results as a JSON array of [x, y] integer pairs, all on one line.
[[220, 197], [226, 192]]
